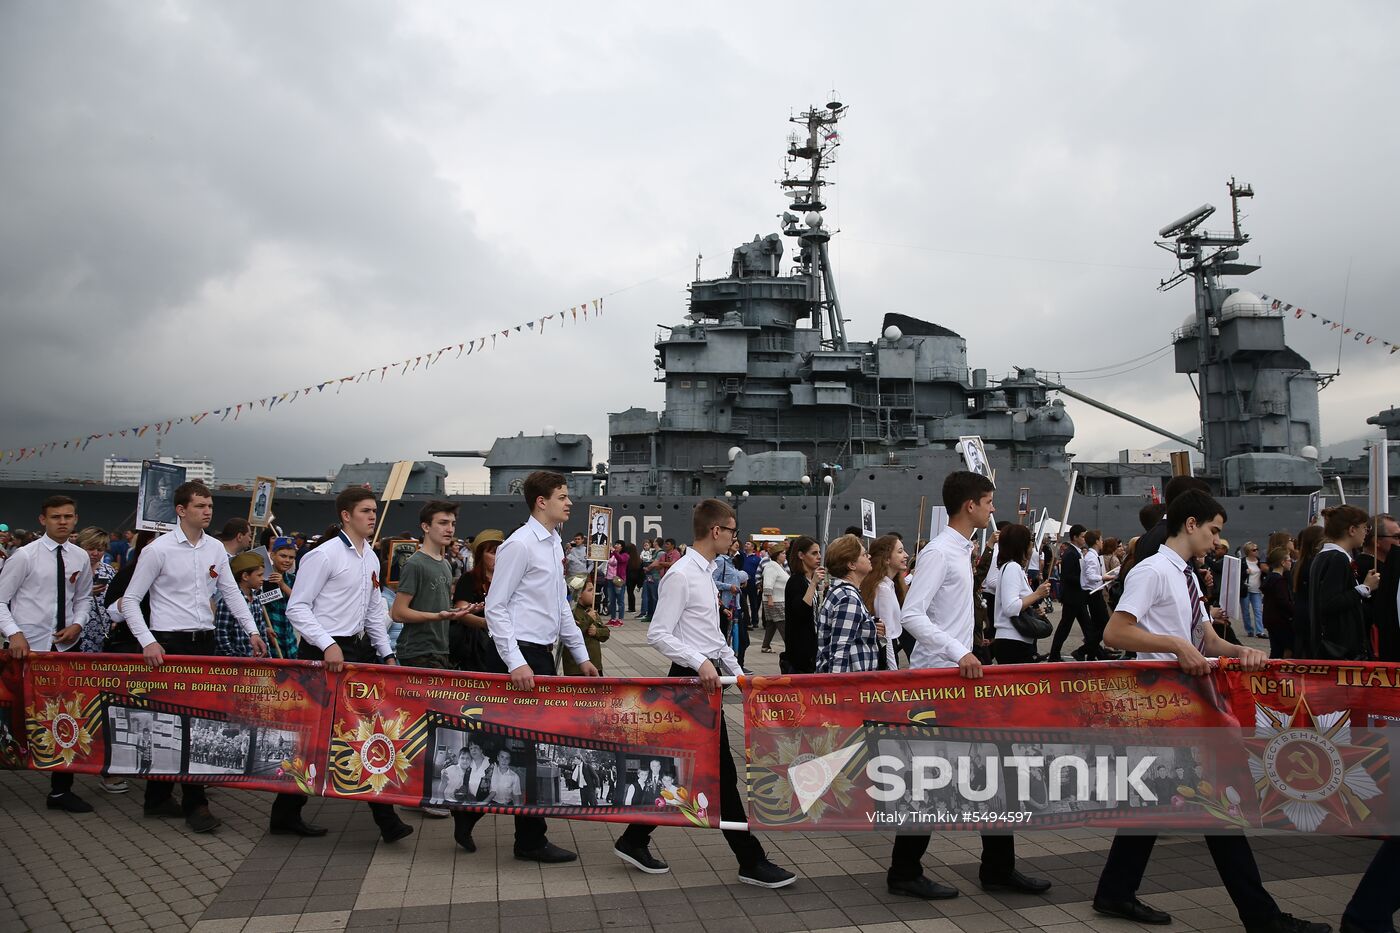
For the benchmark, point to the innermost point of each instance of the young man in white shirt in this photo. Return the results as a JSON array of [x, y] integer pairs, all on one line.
[[338, 610], [938, 613], [45, 593], [685, 628], [181, 571], [1163, 617], [527, 614]]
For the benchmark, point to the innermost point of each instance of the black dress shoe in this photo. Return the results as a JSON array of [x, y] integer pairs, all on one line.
[[923, 888], [395, 833], [465, 840], [200, 820], [1287, 923], [547, 854], [169, 807], [1134, 910], [69, 802], [299, 828], [1015, 881]]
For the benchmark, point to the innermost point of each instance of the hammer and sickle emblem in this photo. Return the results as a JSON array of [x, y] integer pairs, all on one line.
[[1307, 764]]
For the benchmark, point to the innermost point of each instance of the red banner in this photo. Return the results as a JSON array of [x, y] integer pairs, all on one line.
[[586, 748], [1157, 748]]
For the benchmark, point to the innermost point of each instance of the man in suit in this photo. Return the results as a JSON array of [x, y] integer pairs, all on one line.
[[586, 777], [1074, 603]]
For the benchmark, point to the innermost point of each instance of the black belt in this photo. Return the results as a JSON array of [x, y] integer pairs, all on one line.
[[530, 644], [360, 639], [193, 638]]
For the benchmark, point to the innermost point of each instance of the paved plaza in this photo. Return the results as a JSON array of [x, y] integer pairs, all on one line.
[[115, 869]]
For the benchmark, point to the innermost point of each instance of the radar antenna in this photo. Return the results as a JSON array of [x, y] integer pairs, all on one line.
[[803, 189]]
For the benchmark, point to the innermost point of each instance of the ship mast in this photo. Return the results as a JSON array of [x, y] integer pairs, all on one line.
[[1203, 257], [803, 188]]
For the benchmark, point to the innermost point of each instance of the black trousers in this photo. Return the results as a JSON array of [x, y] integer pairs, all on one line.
[[1011, 651], [1234, 860], [1377, 897], [1098, 617], [745, 845], [753, 600], [531, 832], [999, 849], [60, 784], [998, 856], [286, 808], [1071, 612], [197, 644]]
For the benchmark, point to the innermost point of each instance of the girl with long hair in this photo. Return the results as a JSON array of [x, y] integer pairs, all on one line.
[[884, 589]]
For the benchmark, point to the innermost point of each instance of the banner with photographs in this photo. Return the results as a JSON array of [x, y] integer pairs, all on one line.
[[259, 725], [640, 750], [1303, 747]]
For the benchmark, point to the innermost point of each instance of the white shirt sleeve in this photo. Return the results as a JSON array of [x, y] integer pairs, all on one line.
[[12, 573], [662, 632], [928, 578], [512, 559], [377, 622], [1012, 588], [311, 577], [147, 569]]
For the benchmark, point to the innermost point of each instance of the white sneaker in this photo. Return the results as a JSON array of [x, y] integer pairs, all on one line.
[[114, 787]]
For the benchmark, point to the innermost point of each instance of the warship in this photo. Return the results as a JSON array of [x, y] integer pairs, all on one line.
[[772, 406]]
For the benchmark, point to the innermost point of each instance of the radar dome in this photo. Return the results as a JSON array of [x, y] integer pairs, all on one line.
[[813, 219], [735, 452], [893, 333], [1245, 304], [1309, 452]]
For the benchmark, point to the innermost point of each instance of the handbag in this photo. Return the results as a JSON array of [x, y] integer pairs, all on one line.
[[1031, 624]]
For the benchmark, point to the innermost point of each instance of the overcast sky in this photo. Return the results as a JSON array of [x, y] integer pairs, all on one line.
[[206, 203]]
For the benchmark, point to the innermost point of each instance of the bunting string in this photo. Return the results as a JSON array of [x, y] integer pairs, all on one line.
[[423, 361], [1299, 313]]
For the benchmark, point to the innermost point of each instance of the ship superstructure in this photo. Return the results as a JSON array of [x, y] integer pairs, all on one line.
[[762, 383]]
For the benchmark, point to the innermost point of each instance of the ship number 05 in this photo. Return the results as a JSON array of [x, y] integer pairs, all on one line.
[[627, 527]]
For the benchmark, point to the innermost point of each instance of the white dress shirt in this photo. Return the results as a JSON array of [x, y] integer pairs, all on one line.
[[685, 623], [887, 610], [1091, 571], [29, 591], [181, 577], [938, 608], [528, 600], [1156, 594], [989, 582], [337, 595], [1012, 590]]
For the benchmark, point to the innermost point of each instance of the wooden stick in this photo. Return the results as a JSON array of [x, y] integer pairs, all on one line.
[[271, 633]]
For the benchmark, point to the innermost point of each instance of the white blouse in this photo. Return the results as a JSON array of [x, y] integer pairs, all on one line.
[[1012, 590]]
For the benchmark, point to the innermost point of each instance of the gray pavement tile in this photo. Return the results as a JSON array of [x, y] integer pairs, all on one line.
[[274, 906], [225, 909], [318, 903], [523, 908], [729, 925], [573, 921], [372, 917], [439, 926], [570, 903], [720, 907], [425, 913]]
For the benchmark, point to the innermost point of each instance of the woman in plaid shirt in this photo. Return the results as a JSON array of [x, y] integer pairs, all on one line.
[[849, 638]]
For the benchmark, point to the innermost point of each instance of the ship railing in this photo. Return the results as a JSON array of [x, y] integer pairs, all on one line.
[[884, 399], [941, 374], [629, 457]]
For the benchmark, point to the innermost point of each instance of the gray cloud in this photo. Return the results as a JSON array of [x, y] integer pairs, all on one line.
[[206, 204]]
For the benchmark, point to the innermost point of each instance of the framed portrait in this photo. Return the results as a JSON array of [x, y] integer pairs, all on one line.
[[1023, 501], [599, 532], [975, 455], [400, 550], [867, 518], [260, 506], [155, 497]]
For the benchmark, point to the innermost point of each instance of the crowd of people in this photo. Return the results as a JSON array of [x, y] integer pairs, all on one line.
[[967, 598]]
